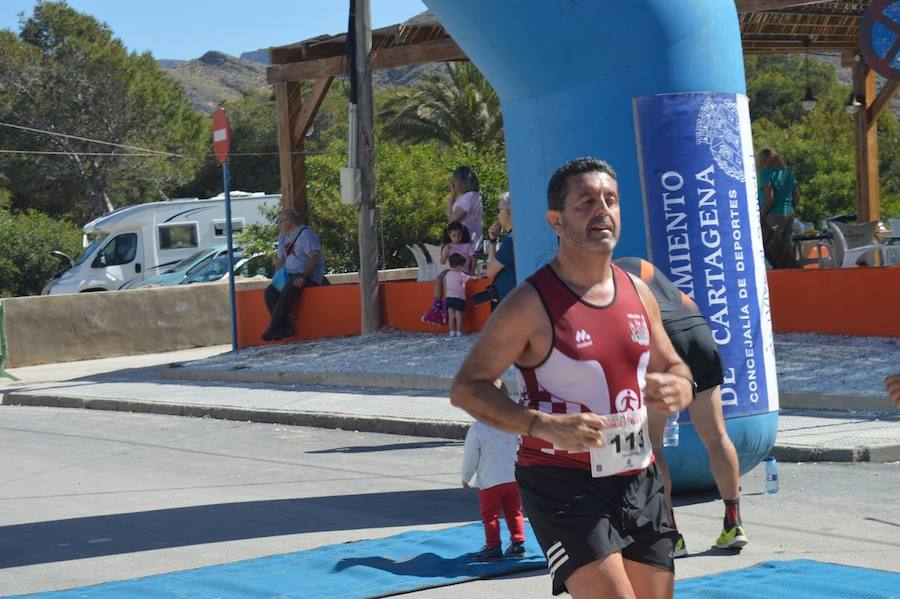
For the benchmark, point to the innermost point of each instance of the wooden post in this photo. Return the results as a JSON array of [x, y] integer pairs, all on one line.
[[288, 103], [365, 161], [867, 189], [295, 117]]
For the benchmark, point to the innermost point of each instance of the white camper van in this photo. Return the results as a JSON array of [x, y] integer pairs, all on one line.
[[139, 242]]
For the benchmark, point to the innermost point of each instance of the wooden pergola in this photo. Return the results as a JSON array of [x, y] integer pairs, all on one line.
[[767, 26]]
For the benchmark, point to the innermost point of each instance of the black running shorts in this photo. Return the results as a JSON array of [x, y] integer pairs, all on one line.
[[699, 351], [579, 519]]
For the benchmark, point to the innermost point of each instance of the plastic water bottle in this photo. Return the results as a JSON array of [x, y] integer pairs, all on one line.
[[771, 476], [671, 432]]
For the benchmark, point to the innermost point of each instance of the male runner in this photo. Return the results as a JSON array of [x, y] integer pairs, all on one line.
[[692, 339], [592, 357]]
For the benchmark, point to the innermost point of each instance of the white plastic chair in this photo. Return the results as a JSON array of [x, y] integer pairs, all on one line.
[[426, 269], [854, 242], [434, 251]]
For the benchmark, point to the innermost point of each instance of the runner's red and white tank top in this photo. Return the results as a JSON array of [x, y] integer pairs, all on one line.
[[597, 362]]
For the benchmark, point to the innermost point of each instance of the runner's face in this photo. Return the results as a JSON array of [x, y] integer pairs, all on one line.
[[590, 217]]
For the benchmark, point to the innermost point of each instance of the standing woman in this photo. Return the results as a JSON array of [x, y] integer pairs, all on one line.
[[501, 266], [778, 194], [465, 203]]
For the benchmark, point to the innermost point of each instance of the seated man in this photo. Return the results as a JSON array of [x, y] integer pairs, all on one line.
[[300, 252]]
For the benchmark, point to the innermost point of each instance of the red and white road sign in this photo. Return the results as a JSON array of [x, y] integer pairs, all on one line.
[[221, 131]]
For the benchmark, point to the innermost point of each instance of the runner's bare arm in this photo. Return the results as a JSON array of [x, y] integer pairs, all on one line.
[[514, 334], [670, 386]]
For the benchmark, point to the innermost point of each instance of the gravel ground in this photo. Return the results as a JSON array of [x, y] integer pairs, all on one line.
[[806, 361]]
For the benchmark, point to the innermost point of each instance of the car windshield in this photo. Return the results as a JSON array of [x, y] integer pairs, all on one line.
[[200, 265], [89, 249], [187, 261], [212, 271]]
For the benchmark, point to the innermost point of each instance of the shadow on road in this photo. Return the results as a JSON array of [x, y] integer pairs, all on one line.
[[79, 538], [390, 447]]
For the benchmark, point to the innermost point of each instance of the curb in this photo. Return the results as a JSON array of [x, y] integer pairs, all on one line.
[[418, 382], [805, 400], [387, 425], [790, 400], [880, 455], [366, 424], [364, 380]]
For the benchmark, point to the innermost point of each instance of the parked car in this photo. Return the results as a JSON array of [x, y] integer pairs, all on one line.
[[190, 267], [250, 266]]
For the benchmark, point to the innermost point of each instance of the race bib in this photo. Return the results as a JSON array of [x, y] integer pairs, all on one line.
[[627, 444]]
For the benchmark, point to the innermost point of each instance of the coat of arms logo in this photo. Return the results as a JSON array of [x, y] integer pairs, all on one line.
[[719, 128]]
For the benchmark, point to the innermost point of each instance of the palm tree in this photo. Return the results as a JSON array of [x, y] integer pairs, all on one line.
[[458, 108]]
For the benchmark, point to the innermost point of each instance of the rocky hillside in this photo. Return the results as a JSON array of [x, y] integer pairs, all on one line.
[[215, 77]]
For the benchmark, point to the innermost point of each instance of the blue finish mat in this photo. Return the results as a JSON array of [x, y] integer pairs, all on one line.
[[370, 568], [797, 579]]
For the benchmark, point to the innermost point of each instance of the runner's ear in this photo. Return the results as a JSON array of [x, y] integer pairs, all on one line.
[[554, 219]]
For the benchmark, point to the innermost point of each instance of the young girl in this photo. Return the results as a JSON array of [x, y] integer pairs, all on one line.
[[455, 240], [490, 458], [455, 293]]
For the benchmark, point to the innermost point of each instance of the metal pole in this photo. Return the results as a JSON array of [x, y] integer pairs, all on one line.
[[368, 248], [231, 260]]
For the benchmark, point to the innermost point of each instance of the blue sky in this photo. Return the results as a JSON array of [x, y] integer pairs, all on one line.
[[186, 29]]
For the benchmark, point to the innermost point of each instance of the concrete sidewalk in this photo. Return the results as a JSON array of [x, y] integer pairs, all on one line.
[[411, 404]]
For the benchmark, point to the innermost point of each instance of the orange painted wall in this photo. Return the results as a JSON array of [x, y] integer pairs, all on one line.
[[848, 301], [334, 311], [330, 311], [404, 302]]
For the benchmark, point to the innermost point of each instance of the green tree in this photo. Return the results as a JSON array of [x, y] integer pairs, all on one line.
[[459, 108], [411, 182], [254, 150], [819, 145], [66, 73], [26, 240]]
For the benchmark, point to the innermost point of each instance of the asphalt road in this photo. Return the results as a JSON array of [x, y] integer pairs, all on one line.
[[89, 496]]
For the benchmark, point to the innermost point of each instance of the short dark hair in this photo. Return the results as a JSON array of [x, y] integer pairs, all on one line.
[[559, 182], [457, 260]]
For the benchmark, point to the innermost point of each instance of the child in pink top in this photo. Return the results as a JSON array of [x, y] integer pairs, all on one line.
[[455, 293], [457, 241]]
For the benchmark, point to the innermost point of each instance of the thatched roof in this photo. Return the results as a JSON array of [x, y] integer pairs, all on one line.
[[831, 26], [774, 26]]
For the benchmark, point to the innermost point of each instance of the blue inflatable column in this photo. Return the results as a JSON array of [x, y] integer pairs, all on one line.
[[570, 76]]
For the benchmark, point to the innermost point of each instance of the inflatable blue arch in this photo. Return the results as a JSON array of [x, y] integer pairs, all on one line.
[[656, 88]]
